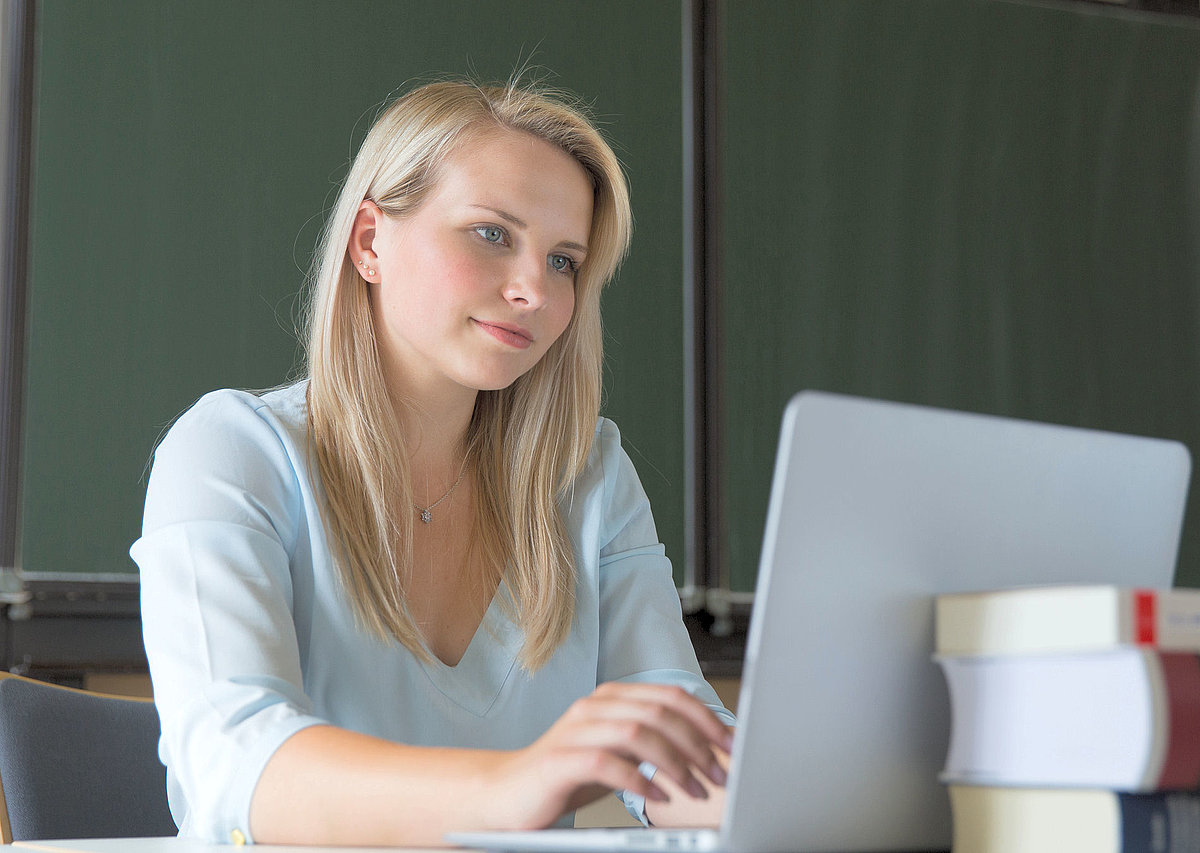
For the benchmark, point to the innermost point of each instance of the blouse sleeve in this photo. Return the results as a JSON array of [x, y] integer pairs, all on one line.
[[221, 520], [642, 635]]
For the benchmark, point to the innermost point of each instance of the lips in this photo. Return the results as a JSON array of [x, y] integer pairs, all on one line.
[[508, 333]]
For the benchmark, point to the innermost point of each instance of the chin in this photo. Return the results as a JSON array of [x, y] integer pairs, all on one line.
[[495, 379], [494, 383], [492, 386]]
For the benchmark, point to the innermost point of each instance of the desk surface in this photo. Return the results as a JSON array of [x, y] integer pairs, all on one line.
[[182, 845]]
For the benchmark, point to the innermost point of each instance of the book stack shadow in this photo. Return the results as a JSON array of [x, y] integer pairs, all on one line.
[[1075, 719]]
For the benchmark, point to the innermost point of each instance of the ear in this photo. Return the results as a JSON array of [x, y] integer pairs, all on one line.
[[361, 248]]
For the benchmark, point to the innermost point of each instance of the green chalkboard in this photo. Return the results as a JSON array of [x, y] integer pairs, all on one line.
[[185, 155], [969, 203], [984, 205]]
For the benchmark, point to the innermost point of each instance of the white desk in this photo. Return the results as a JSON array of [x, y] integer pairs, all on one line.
[[185, 845]]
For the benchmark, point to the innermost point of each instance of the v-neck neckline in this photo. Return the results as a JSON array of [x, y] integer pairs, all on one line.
[[476, 680]]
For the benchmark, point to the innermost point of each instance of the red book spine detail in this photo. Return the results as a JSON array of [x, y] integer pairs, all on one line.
[[1181, 675], [1145, 625]]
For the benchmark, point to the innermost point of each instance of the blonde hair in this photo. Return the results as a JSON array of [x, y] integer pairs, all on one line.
[[525, 444]]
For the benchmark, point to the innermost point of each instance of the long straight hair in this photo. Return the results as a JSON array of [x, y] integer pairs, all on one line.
[[525, 443]]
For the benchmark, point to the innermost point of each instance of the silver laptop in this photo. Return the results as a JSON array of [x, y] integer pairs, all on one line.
[[843, 719]]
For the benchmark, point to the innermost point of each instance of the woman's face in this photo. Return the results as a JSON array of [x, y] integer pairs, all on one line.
[[470, 290]]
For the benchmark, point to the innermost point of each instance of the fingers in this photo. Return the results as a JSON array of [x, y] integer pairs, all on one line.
[[611, 771], [633, 742], [679, 700], [698, 718], [599, 743], [662, 725]]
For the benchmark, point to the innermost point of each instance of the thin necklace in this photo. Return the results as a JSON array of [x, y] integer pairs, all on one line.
[[426, 514]]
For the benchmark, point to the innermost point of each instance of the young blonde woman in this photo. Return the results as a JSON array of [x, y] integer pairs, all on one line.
[[421, 590]]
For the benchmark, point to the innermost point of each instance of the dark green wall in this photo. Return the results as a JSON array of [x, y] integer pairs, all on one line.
[[185, 154], [969, 203], [964, 203]]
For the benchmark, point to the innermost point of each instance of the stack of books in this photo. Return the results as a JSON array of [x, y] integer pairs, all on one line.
[[1075, 719]]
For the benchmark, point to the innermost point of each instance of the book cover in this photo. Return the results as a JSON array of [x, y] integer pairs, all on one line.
[[1040, 820], [1050, 619]]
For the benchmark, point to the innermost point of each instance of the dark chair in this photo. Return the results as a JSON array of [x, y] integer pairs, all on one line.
[[75, 764]]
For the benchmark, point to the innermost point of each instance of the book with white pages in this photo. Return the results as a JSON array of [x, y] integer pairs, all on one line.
[[1124, 719], [874, 509]]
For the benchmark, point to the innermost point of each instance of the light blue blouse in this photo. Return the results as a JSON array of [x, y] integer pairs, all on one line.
[[251, 639]]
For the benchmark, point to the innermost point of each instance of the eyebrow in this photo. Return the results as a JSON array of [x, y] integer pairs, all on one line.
[[520, 223]]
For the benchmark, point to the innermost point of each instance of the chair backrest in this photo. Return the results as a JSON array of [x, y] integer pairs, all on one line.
[[75, 764]]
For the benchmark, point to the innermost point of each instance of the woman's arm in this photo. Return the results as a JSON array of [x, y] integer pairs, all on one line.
[[330, 786], [642, 635], [326, 785]]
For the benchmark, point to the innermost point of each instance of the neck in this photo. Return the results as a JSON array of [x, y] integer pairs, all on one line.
[[433, 419], [433, 415], [435, 433]]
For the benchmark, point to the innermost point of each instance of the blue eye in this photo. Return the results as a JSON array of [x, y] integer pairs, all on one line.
[[563, 263], [491, 233]]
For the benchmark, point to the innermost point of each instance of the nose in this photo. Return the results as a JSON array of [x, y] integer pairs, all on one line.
[[526, 284]]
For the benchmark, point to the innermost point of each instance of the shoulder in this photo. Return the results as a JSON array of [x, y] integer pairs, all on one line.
[[286, 404], [606, 440], [608, 489], [231, 447], [236, 436], [242, 417], [607, 458]]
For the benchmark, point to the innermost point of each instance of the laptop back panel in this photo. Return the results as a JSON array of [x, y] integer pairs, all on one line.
[[875, 507]]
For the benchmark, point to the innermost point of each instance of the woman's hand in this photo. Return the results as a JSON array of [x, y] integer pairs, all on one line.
[[330, 786], [597, 745], [684, 810]]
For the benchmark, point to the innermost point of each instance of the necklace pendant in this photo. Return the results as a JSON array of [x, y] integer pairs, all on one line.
[[426, 516]]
